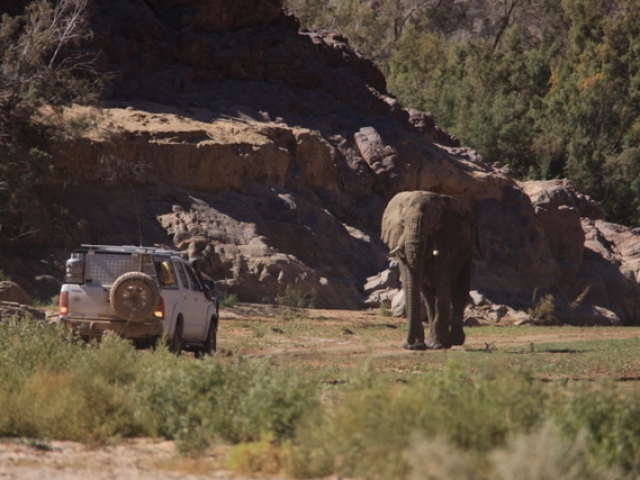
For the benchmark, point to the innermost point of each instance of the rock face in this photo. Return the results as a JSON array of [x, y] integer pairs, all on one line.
[[269, 155], [12, 292], [16, 303]]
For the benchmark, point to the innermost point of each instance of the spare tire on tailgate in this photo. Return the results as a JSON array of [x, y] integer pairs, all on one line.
[[134, 296]]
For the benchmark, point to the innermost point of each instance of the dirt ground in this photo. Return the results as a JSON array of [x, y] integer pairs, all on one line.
[[318, 338]]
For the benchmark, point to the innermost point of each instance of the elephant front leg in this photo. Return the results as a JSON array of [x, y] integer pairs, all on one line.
[[439, 334], [415, 336]]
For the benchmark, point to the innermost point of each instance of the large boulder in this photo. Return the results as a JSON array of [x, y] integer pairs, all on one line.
[[264, 242], [12, 292], [610, 270], [558, 215]]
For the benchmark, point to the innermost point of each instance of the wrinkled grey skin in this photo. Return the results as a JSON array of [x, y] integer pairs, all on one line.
[[432, 236]]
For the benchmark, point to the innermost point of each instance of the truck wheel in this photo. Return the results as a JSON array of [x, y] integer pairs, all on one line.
[[175, 342], [145, 343], [210, 341], [134, 296]]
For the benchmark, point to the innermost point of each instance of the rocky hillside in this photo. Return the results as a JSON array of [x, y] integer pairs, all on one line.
[[269, 153]]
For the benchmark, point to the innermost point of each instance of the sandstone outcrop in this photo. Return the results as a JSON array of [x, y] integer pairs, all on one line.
[[269, 154], [12, 292], [15, 302]]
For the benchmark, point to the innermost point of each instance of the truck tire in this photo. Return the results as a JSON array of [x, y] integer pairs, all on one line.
[[209, 347], [134, 296], [174, 344]]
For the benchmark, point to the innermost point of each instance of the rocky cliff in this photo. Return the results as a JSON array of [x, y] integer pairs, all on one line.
[[269, 153]]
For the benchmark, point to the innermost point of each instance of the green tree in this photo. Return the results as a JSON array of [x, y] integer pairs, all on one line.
[[39, 75], [550, 102], [374, 27], [596, 104]]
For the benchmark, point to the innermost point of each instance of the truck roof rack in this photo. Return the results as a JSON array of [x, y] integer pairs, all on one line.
[[127, 249]]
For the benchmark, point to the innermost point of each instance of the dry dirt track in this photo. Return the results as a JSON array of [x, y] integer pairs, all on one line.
[[317, 338]]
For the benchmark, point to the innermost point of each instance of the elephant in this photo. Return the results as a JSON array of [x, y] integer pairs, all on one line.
[[432, 235]]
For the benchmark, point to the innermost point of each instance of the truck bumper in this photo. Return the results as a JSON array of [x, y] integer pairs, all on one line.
[[96, 328]]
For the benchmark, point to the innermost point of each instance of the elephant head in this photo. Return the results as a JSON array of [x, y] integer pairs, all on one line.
[[432, 237]]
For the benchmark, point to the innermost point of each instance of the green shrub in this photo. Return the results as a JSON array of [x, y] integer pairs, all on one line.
[[367, 433], [52, 385], [547, 453], [229, 300], [263, 457], [610, 417], [385, 308], [544, 311], [296, 297], [50, 303], [55, 386], [237, 400], [26, 346], [496, 421]]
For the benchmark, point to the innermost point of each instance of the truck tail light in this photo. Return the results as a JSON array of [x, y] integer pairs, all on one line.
[[64, 303], [159, 311]]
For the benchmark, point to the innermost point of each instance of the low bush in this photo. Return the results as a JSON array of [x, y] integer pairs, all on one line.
[[499, 424], [229, 300], [237, 400], [496, 420], [610, 419], [296, 297], [368, 431], [52, 385], [55, 386]]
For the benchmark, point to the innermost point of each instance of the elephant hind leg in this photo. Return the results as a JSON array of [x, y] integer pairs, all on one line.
[[415, 346], [460, 296], [434, 344], [458, 336]]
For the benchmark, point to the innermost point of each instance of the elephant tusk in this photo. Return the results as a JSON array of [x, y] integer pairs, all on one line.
[[395, 250]]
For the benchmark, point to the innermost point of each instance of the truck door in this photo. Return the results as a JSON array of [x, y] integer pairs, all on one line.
[[195, 304]]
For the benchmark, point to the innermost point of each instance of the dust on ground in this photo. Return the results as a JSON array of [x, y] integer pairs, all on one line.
[[316, 338]]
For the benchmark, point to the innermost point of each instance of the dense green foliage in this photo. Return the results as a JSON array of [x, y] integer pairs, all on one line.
[[490, 421], [54, 386], [551, 88]]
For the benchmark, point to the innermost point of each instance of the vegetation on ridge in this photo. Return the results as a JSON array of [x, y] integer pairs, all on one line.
[[550, 88], [38, 75]]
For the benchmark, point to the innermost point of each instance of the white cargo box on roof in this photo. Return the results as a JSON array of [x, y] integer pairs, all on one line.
[[128, 249]]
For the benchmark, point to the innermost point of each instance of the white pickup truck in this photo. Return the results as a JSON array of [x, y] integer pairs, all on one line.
[[141, 293]]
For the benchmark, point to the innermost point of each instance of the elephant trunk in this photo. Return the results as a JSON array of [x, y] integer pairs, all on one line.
[[413, 296], [414, 250]]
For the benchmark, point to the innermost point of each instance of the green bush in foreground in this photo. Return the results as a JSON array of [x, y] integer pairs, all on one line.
[[498, 424], [611, 418], [368, 432], [501, 424], [54, 386], [232, 400]]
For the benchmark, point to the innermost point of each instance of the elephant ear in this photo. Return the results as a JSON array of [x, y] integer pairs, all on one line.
[[391, 233]]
